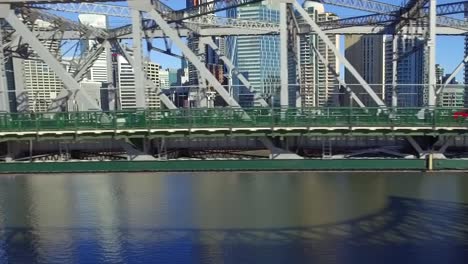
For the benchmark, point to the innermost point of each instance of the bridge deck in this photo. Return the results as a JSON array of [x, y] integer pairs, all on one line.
[[222, 121]]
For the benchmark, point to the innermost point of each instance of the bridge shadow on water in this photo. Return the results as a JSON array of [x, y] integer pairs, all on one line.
[[405, 231]]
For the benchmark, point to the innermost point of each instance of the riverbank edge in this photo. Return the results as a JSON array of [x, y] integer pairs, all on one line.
[[232, 165]]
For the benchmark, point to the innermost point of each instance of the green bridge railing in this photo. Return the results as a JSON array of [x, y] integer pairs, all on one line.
[[231, 118]]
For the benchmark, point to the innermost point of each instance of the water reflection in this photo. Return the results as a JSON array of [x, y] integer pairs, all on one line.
[[234, 218]]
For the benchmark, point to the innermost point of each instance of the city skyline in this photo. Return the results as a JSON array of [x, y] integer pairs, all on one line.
[[449, 47], [311, 82]]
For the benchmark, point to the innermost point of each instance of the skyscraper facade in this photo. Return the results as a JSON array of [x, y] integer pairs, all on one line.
[[173, 78], [153, 101], [411, 72], [40, 83], [367, 55], [440, 72], [99, 70], [126, 84], [164, 79], [257, 57], [453, 96], [318, 83], [207, 54]]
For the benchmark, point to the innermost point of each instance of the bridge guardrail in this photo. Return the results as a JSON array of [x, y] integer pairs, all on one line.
[[230, 118]]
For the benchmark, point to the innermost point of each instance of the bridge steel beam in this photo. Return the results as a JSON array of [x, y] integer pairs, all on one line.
[[445, 145], [232, 68], [340, 56], [452, 76], [138, 69], [172, 34], [416, 146], [284, 70], [203, 89], [337, 77], [71, 85], [4, 102], [148, 83], [364, 5], [383, 30], [385, 8], [88, 61], [386, 19], [431, 44], [395, 70], [276, 152]]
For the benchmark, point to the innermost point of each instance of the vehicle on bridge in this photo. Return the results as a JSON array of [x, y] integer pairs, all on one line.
[[461, 114]]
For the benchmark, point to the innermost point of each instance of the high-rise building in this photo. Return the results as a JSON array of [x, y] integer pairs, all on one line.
[[452, 96], [440, 74], [101, 70], [183, 73], [319, 84], [40, 83], [164, 79], [193, 44], [367, 55], [126, 84], [173, 77], [153, 100], [446, 77], [411, 73], [257, 57]]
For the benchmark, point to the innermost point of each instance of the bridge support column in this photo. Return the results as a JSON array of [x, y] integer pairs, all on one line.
[[440, 153], [430, 162], [417, 147], [162, 149], [276, 152], [135, 154], [437, 154], [10, 153]]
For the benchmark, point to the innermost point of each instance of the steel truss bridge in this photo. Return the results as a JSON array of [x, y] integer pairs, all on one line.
[[143, 132]]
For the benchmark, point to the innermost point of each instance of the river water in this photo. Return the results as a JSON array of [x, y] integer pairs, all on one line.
[[239, 218]]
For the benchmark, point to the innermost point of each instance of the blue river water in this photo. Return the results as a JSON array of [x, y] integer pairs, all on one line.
[[238, 218]]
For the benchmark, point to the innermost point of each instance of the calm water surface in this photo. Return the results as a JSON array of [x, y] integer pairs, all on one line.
[[237, 218]]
